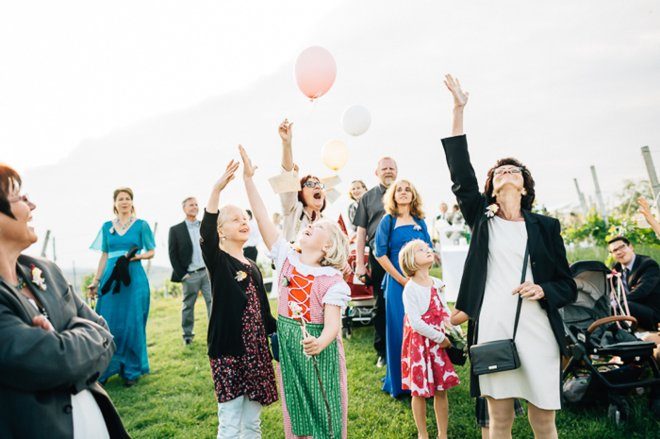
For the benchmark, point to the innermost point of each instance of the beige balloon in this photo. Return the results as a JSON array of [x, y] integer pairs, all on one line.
[[335, 154]]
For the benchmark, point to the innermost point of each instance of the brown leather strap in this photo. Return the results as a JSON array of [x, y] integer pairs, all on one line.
[[606, 320]]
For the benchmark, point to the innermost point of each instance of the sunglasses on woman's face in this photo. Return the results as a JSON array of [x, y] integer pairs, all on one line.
[[314, 184], [502, 171]]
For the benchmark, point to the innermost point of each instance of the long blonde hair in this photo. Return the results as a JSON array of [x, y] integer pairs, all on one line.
[[407, 257], [336, 255], [392, 207]]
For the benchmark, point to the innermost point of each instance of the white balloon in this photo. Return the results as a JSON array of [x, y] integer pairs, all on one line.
[[335, 154], [356, 120]]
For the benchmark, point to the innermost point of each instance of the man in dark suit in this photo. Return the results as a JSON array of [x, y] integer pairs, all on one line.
[[189, 269], [641, 279]]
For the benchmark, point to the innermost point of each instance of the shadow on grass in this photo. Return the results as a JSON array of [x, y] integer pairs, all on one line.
[[177, 400]]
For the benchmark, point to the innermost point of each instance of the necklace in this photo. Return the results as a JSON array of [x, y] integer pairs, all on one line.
[[120, 226], [21, 284]]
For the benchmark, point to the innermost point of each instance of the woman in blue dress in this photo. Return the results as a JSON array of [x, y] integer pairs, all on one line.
[[124, 307], [403, 222]]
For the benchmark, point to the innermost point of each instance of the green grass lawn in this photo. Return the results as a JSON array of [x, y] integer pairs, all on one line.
[[177, 400]]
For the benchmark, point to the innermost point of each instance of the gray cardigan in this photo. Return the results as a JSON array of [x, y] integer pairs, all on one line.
[[40, 370]]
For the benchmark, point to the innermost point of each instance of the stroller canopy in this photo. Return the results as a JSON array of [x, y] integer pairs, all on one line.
[[593, 294]]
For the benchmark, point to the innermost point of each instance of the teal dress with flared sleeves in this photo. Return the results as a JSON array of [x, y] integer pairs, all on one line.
[[127, 311]]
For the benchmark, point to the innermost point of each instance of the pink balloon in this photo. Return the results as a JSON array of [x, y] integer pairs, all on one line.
[[316, 71]]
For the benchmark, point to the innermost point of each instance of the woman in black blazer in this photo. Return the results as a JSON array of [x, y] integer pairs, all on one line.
[[502, 224]]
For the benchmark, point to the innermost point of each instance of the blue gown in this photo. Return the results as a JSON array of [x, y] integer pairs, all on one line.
[[397, 237], [126, 312]]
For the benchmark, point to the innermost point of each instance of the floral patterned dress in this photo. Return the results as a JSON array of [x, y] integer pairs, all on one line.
[[425, 366], [250, 374]]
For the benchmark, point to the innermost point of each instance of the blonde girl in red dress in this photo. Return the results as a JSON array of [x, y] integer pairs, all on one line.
[[425, 366], [312, 293]]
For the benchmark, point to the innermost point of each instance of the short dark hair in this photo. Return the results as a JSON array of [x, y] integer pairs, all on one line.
[[528, 182], [619, 238], [9, 181], [183, 203], [249, 212]]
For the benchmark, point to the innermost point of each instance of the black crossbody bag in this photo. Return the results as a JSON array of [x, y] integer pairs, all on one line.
[[498, 355]]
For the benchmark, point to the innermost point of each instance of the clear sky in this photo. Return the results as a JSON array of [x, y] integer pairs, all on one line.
[[91, 85]]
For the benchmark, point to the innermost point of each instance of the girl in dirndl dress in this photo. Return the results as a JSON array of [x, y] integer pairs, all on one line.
[[312, 293], [425, 366]]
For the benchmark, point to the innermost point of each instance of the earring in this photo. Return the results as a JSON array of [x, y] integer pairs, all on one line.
[[523, 191]]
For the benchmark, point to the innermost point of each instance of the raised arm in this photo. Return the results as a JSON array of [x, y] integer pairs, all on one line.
[[208, 231], [460, 99], [285, 131], [214, 198], [464, 180], [268, 231], [645, 210]]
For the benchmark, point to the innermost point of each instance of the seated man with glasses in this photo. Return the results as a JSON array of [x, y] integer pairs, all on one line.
[[641, 280]]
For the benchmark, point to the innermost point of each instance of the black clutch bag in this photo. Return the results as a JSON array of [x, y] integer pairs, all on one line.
[[456, 355], [499, 355]]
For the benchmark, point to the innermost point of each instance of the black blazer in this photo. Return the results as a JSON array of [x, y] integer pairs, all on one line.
[[40, 370], [547, 253], [644, 282], [180, 249], [225, 335]]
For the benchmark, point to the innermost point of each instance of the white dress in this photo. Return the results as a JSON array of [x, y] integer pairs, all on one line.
[[537, 378]]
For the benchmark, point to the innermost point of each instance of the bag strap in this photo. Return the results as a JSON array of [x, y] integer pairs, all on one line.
[[522, 279], [475, 335]]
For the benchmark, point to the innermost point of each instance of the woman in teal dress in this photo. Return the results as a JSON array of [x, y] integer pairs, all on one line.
[[403, 222], [125, 309]]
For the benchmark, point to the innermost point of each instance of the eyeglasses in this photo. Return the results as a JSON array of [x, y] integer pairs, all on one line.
[[312, 184], [501, 171], [618, 249], [24, 198]]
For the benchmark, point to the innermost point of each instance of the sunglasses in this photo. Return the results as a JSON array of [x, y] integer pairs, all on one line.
[[314, 184]]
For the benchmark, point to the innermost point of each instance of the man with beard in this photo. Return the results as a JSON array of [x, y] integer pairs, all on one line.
[[369, 213]]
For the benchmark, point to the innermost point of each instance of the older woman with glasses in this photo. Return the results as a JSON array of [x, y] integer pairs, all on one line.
[[305, 206], [53, 347], [504, 232]]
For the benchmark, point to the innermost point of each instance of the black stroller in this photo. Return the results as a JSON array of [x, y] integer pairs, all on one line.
[[607, 360]]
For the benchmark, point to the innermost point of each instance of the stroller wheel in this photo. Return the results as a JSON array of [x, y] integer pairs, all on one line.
[[619, 411]]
